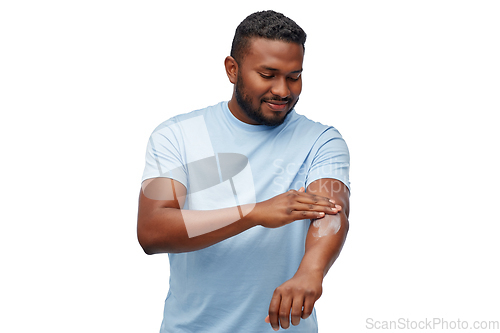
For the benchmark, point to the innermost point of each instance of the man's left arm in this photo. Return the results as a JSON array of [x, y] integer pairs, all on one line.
[[326, 236]]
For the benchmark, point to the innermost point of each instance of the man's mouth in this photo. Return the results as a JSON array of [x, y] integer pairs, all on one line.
[[276, 105]]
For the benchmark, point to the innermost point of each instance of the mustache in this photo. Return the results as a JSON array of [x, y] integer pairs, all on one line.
[[278, 99]]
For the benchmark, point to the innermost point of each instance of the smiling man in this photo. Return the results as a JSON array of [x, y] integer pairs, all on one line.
[[267, 83], [249, 198]]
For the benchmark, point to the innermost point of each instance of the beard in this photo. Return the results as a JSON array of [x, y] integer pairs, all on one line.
[[245, 103]]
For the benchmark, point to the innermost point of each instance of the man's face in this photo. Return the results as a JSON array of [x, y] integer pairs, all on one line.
[[269, 82]]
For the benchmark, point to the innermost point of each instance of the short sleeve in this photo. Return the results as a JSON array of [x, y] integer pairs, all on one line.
[[331, 158], [164, 155]]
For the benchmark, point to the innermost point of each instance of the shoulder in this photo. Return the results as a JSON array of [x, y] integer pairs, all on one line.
[[194, 118], [313, 129]]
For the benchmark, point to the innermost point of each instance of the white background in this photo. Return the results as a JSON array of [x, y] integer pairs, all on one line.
[[413, 86]]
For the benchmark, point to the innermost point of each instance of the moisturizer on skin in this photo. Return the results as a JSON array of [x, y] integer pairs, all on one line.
[[328, 225]]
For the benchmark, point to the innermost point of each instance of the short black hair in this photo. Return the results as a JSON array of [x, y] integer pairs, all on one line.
[[265, 24]]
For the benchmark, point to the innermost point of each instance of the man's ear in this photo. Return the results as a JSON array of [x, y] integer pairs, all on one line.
[[231, 69]]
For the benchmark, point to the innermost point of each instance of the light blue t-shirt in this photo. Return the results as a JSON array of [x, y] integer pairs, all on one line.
[[224, 162]]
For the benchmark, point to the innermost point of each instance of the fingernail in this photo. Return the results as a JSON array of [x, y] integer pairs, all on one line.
[[331, 201]]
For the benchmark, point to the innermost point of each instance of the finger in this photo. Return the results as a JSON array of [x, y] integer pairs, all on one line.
[[308, 198], [284, 312], [297, 304], [274, 308], [314, 199], [302, 189], [308, 307], [315, 208], [304, 215]]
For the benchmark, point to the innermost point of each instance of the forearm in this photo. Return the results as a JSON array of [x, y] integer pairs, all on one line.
[[295, 298], [163, 227], [324, 243], [171, 230]]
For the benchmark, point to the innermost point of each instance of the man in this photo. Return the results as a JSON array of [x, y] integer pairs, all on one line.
[[224, 194]]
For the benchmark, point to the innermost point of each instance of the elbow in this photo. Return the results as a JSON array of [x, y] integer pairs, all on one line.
[[155, 238], [151, 243], [145, 244], [147, 240], [148, 250], [148, 236], [151, 248]]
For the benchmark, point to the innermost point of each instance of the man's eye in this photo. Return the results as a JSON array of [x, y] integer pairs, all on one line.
[[266, 76]]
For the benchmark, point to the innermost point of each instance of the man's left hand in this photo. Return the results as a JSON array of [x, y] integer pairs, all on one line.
[[295, 297]]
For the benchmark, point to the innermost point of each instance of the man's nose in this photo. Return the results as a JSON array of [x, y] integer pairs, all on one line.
[[280, 88]]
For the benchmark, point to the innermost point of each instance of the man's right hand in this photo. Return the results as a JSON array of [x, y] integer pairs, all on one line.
[[291, 206]]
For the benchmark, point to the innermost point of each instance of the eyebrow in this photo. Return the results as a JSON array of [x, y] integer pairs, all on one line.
[[277, 70]]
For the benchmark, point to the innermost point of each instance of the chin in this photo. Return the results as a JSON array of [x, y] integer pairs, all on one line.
[[274, 120]]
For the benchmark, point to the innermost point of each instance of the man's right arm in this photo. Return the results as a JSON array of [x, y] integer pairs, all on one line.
[[162, 226]]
